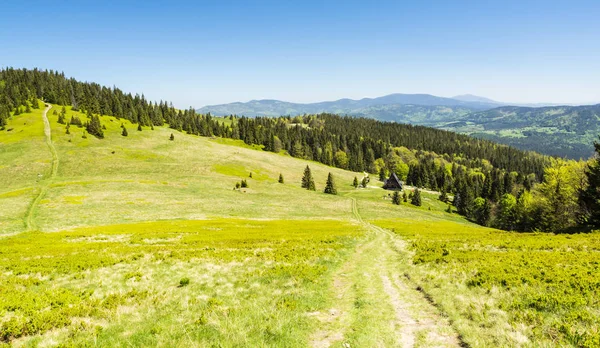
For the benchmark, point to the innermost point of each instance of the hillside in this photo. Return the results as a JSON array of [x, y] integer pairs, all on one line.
[[561, 131], [144, 242], [131, 230]]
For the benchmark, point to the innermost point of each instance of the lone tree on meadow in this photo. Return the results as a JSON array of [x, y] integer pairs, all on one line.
[[307, 180], [140, 127], [124, 132], [330, 185], [589, 198], [172, 137], [280, 178], [355, 182], [416, 198], [396, 198]]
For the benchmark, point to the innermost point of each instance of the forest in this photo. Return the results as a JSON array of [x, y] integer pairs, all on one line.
[[491, 184]]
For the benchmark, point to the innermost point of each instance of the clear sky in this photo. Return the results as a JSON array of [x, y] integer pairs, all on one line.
[[197, 53]]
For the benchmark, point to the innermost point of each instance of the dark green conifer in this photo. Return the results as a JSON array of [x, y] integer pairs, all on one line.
[[416, 198], [280, 178], [330, 185], [172, 137], [396, 198], [307, 180], [589, 197], [139, 127], [355, 182], [404, 197], [124, 132]]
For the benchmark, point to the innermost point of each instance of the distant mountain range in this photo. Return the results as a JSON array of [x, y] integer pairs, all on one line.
[[267, 107], [559, 130]]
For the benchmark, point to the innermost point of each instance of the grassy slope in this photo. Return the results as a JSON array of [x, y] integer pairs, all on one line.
[[132, 206]]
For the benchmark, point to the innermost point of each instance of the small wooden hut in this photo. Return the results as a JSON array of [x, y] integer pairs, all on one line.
[[393, 183]]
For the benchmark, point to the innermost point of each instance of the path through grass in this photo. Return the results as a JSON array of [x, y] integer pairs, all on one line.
[[30, 215]]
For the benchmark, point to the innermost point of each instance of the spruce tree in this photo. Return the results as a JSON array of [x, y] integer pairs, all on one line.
[[444, 196], [139, 127], [124, 132], [589, 197], [416, 198], [307, 180], [355, 182], [172, 137], [396, 198], [244, 183], [364, 182], [280, 178], [404, 197], [330, 185]]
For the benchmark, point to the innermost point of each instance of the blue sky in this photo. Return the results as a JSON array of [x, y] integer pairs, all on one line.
[[197, 53]]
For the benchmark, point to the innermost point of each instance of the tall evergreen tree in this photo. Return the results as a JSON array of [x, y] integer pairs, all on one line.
[[416, 198], [280, 178], [396, 198], [589, 197], [330, 185], [307, 180], [124, 132], [355, 182]]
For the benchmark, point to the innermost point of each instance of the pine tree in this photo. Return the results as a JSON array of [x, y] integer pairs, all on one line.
[[94, 127], [416, 198], [280, 178], [139, 127], [124, 132], [172, 137], [67, 129], [307, 180], [330, 185], [27, 108], [444, 196], [364, 182], [61, 119], [355, 182], [250, 175], [589, 197], [244, 183], [396, 198]]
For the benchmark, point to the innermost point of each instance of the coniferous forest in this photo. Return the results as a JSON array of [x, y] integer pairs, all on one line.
[[491, 184]]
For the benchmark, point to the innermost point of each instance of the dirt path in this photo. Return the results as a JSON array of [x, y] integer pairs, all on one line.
[[45, 183], [394, 314]]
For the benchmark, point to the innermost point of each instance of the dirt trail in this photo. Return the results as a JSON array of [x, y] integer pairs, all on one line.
[[376, 269], [45, 183]]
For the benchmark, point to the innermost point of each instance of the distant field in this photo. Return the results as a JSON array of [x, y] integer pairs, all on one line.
[[143, 241]]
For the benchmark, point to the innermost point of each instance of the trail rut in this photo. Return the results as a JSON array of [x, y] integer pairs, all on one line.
[[30, 223], [375, 269]]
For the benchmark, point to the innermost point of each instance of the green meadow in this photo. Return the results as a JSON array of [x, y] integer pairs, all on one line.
[[143, 241]]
